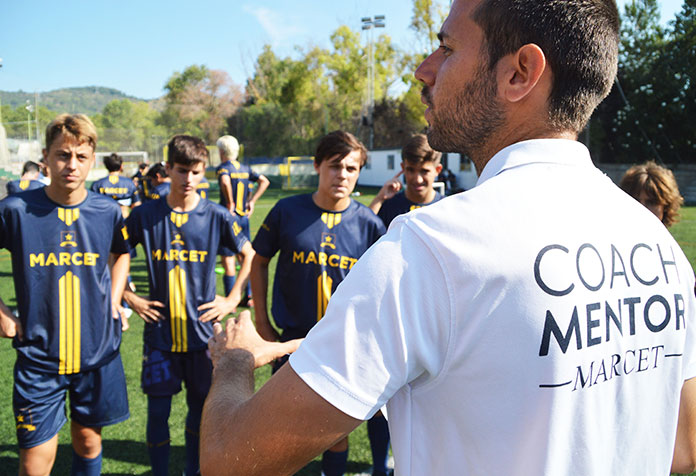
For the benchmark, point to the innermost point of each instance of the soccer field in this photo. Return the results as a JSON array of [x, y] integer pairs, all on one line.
[[125, 451]]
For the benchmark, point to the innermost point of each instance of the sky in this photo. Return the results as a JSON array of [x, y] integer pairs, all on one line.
[[135, 46]]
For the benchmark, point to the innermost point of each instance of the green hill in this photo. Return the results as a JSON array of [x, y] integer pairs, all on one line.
[[89, 100]]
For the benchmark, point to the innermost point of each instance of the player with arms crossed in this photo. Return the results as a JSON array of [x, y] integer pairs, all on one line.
[[235, 181], [180, 234], [68, 334], [319, 236], [420, 167]]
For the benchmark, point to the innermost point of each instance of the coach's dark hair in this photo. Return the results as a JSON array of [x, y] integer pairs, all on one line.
[[157, 169], [113, 162], [30, 166], [339, 144], [417, 150], [186, 150], [579, 39]]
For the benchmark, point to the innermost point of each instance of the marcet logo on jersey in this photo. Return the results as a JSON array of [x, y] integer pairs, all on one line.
[[113, 179], [68, 239], [328, 240], [68, 215], [23, 425], [589, 324], [331, 219], [23, 184]]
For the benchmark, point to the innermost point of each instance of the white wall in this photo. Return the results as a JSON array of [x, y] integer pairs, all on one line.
[[378, 171]]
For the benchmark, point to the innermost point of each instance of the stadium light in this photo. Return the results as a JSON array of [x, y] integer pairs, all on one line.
[[368, 23]]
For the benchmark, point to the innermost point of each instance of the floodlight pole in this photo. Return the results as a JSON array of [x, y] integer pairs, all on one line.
[[368, 23]]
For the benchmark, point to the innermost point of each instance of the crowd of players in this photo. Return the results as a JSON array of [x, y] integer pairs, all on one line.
[[318, 238], [71, 250]]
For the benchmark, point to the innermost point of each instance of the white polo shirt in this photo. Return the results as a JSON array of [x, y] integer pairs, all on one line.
[[540, 323]]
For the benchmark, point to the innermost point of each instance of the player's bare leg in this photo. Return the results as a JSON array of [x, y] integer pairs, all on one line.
[[86, 441], [87, 449], [38, 460]]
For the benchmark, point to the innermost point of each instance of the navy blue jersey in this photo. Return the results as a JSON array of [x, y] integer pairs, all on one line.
[[61, 278], [160, 191], [180, 251], [203, 188], [16, 186], [399, 204], [241, 177], [122, 189], [317, 249]]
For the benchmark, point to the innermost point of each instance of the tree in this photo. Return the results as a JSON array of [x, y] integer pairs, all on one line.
[[125, 125], [199, 101]]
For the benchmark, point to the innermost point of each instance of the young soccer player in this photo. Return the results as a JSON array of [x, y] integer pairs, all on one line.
[[420, 167], [120, 188], [67, 335], [155, 184], [235, 181], [319, 236], [180, 234], [28, 181]]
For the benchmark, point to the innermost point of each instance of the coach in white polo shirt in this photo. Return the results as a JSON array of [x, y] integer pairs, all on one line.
[[541, 323]]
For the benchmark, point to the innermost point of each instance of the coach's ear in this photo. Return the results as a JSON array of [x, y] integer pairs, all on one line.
[[523, 74]]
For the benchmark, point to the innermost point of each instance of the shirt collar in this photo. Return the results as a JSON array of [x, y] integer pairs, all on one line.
[[556, 151]]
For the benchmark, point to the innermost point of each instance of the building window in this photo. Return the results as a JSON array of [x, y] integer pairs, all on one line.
[[390, 162]]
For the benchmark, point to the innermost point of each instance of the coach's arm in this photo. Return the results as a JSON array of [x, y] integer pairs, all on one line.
[[275, 431], [684, 460]]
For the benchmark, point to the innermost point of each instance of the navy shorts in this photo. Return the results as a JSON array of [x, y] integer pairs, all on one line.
[[244, 222], [98, 397], [164, 371]]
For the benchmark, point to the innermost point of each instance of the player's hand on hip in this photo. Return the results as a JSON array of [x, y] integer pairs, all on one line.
[[148, 310], [240, 333], [218, 308], [119, 312], [249, 209], [9, 324]]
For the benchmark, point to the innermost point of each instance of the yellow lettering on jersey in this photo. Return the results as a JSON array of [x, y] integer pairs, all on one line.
[[322, 258], [298, 256], [68, 215], [177, 309], [124, 232], [311, 258], [324, 284], [331, 219], [113, 190], [63, 259], [333, 261], [195, 256], [179, 219], [239, 201], [236, 228], [23, 184], [69, 324]]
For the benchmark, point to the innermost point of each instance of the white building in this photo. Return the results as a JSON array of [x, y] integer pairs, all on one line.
[[382, 165]]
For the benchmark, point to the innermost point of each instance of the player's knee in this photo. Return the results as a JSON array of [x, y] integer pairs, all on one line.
[[86, 441]]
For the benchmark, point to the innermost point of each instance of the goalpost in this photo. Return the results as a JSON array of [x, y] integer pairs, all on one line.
[[298, 173]]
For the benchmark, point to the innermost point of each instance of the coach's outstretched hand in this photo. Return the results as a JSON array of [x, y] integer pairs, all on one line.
[[240, 333], [148, 310], [9, 324], [218, 308]]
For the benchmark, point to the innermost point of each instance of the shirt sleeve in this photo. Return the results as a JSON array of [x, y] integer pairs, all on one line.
[[5, 242], [119, 241], [267, 241], [232, 235], [388, 325]]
